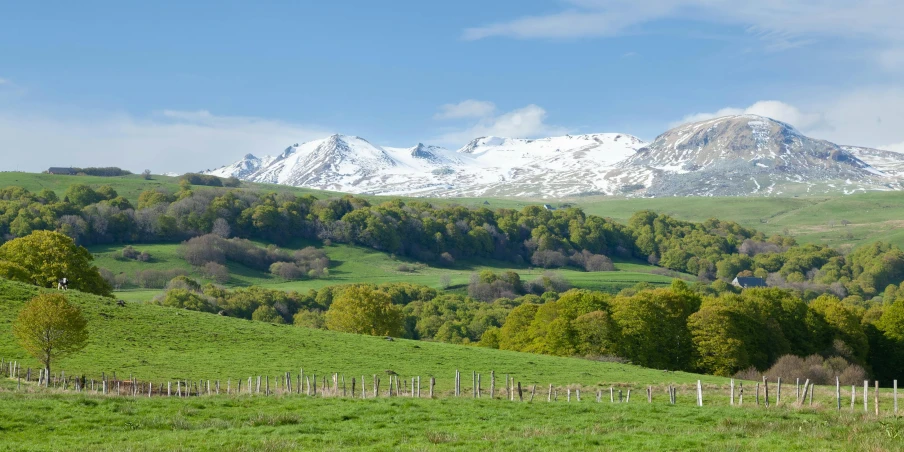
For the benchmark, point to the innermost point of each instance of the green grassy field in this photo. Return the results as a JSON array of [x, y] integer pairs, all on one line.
[[245, 423], [353, 264]]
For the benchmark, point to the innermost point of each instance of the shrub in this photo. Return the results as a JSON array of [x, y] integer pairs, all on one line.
[[287, 270], [156, 279], [592, 262], [267, 314], [548, 259], [310, 319], [216, 272], [130, 253]]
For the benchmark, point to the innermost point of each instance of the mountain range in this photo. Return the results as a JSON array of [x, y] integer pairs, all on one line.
[[728, 156]]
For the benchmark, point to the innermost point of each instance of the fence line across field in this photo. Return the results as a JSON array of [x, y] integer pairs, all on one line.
[[336, 385]]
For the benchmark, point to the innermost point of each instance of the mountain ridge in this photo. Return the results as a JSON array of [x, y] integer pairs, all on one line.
[[727, 156]]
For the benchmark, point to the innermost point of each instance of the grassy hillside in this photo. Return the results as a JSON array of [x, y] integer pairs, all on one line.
[[353, 264], [162, 344]]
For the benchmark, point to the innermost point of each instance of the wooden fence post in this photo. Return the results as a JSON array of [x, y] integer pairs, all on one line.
[[419, 386], [549, 395], [432, 385], [812, 390], [778, 391], [806, 389], [876, 397], [612, 394], [699, 393], [766, 390], [853, 396], [758, 394], [492, 384], [650, 394], [896, 396], [473, 384], [533, 390], [731, 393], [741, 394], [568, 395], [521, 395], [478, 386], [838, 392], [866, 396], [797, 384], [627, 399]]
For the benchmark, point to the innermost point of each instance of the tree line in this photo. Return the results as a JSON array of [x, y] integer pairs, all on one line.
[[711, 250]]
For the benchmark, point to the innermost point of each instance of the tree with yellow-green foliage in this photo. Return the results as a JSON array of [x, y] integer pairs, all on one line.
[[363, 309], [49, 328], [46, 257]]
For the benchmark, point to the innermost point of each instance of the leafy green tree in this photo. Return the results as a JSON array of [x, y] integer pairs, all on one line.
[[48, 256], [186, 299], [49, 328], [267, 314], [362, 309], [653, 328], [82, 195]]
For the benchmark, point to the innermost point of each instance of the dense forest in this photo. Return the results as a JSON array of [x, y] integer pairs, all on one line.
[[712, 250]]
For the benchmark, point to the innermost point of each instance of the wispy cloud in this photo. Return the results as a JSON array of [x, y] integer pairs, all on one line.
[[526, 122], [871, 117], [781, 24], [466, 109], [166, 141]]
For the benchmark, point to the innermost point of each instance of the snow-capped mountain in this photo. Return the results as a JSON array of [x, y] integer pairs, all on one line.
[[735, 155], [741, 155]]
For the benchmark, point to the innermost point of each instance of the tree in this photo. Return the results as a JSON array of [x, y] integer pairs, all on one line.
[[146, 174], [363, 309], [47, 256], [49, 328]]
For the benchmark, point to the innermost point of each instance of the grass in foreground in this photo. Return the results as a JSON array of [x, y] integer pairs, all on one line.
[[84, 422]]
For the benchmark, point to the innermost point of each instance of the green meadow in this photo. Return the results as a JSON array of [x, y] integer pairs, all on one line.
[[159, 345]]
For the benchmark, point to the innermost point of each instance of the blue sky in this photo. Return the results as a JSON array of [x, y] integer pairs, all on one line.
[[176, 87]]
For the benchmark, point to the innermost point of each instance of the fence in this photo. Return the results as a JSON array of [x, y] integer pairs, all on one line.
[[337, 385]]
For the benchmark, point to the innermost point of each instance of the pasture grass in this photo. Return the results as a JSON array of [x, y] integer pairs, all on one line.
[[48, 420], [354, 264]]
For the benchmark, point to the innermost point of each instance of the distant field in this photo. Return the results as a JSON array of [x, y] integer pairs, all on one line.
[[353, 264]]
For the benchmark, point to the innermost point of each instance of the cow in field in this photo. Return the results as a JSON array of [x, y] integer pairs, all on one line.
[[63, 284]]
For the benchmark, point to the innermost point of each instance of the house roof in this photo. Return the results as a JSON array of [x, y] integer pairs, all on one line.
[[749, 281]]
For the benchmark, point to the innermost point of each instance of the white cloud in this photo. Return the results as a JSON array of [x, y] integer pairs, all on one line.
[[781, 23], [466, 109], [526, 122], [769, 108], [893, 147], [167, 141], [870, 117], [4, 81]]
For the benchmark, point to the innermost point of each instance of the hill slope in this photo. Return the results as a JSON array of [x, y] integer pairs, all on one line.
[[160, 344]]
